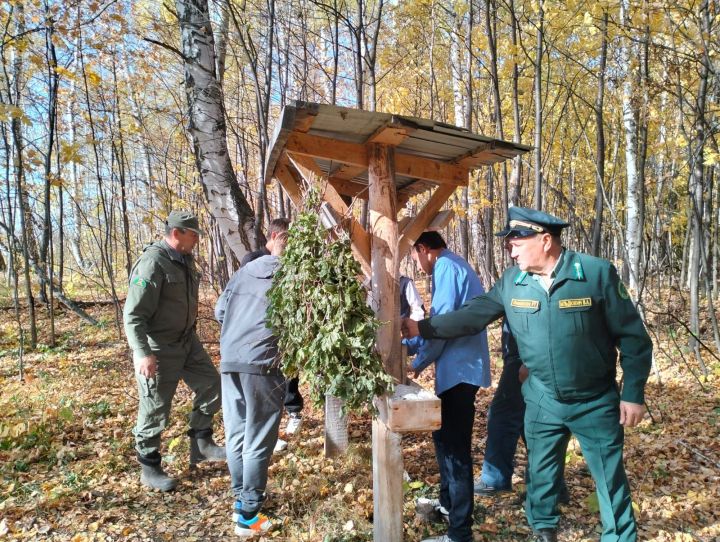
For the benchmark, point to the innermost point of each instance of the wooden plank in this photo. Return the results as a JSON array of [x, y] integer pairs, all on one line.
[[441, 220], [431, 170], [413, 230], [347, 172], [349, 188], [288, 181], [387, 483], [328, 148], [357, 155], [359, 238], [390, 134], [382, 205]]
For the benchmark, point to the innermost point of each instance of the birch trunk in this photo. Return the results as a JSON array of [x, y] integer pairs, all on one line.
[[633, 208], [538, 109], [208, 129]]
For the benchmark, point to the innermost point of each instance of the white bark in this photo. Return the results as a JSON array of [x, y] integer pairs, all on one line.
[[633, 209], [457, 67], [208, 130]]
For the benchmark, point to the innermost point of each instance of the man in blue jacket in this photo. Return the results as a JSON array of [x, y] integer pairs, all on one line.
[[461, 367]]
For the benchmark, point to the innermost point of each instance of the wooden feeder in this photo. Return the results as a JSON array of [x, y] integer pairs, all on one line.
[[385, 159]]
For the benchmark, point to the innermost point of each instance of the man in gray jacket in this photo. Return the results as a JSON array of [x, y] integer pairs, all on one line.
[[253, 387]]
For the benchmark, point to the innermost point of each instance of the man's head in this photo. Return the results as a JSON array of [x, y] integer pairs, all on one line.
[[426, 250], [533, 239], [182, 231], [277, 229]]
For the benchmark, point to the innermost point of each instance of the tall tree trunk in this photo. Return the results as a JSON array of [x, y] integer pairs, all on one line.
[[539, 108], [633, 229], [600, 143], [208, 129], [29, 242], [516, 175]]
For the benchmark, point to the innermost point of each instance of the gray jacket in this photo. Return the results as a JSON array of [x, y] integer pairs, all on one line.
[[247, 345]]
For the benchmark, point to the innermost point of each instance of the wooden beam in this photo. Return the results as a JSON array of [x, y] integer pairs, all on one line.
[[390, 134], [441, 220], [431, 170], [387, 445], [382, 206], [347, 172], [416, 226], [349, 188], [288, 181], [388, 469], [328, 148], [357, 155], [359, 238]]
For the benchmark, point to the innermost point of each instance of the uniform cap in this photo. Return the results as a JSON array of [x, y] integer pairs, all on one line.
[[524, 222], [185, 220]]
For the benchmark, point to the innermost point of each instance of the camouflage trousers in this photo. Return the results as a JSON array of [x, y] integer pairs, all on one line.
[[186, 361]]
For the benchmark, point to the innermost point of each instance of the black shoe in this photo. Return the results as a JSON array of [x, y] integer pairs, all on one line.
[[484, 490], [545, 535]]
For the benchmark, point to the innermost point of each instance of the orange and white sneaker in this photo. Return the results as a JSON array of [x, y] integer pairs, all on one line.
[[257, 525]]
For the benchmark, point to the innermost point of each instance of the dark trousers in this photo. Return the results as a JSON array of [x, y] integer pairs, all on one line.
[[504, 427], [293, 397], [452, 450]]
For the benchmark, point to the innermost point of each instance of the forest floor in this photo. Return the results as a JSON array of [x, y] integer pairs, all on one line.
[[67, 468]]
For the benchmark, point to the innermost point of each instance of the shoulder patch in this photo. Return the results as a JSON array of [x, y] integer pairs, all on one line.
[[525, 303], [622, 291], [575, 303], [139, 281]]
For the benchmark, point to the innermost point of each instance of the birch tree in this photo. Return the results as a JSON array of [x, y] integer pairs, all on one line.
[[633, 226], [207, 128]]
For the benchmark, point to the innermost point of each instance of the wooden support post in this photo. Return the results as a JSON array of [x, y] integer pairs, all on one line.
[[383, 229], [387, 484], [387, 450]]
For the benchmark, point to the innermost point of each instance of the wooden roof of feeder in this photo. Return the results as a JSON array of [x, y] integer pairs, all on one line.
[[328, 142]]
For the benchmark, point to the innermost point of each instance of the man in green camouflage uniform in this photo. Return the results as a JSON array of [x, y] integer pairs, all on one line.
[[572, 319], [159, 317]]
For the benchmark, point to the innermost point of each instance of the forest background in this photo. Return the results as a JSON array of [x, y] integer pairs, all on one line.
[[102, 105]]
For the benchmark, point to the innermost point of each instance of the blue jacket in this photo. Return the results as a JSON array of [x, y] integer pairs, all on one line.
[[461, 360]]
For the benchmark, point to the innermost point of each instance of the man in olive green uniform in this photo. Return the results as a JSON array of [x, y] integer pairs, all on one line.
[[571, 316], [159, 318]]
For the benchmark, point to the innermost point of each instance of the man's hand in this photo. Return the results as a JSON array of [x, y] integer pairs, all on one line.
[[631, 414], [523, 373], [409, 328], [412, 373], [147, 366]]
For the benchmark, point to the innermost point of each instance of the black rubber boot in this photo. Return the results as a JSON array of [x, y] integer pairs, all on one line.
[[153, 475], [203, 447]]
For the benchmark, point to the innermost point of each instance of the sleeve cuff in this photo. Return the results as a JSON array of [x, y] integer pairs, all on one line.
[[425, 328], [633, 394]]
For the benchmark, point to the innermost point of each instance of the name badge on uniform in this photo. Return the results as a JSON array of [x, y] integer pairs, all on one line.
[[525, 303], [575, 303]]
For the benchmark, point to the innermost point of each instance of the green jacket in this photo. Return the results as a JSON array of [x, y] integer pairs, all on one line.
[[162, 300], [568, 337]]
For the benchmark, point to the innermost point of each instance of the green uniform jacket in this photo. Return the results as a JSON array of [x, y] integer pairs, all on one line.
[[162, 299], [569, 337]]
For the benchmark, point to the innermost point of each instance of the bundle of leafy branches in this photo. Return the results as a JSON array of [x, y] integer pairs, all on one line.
[[318, 311]]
